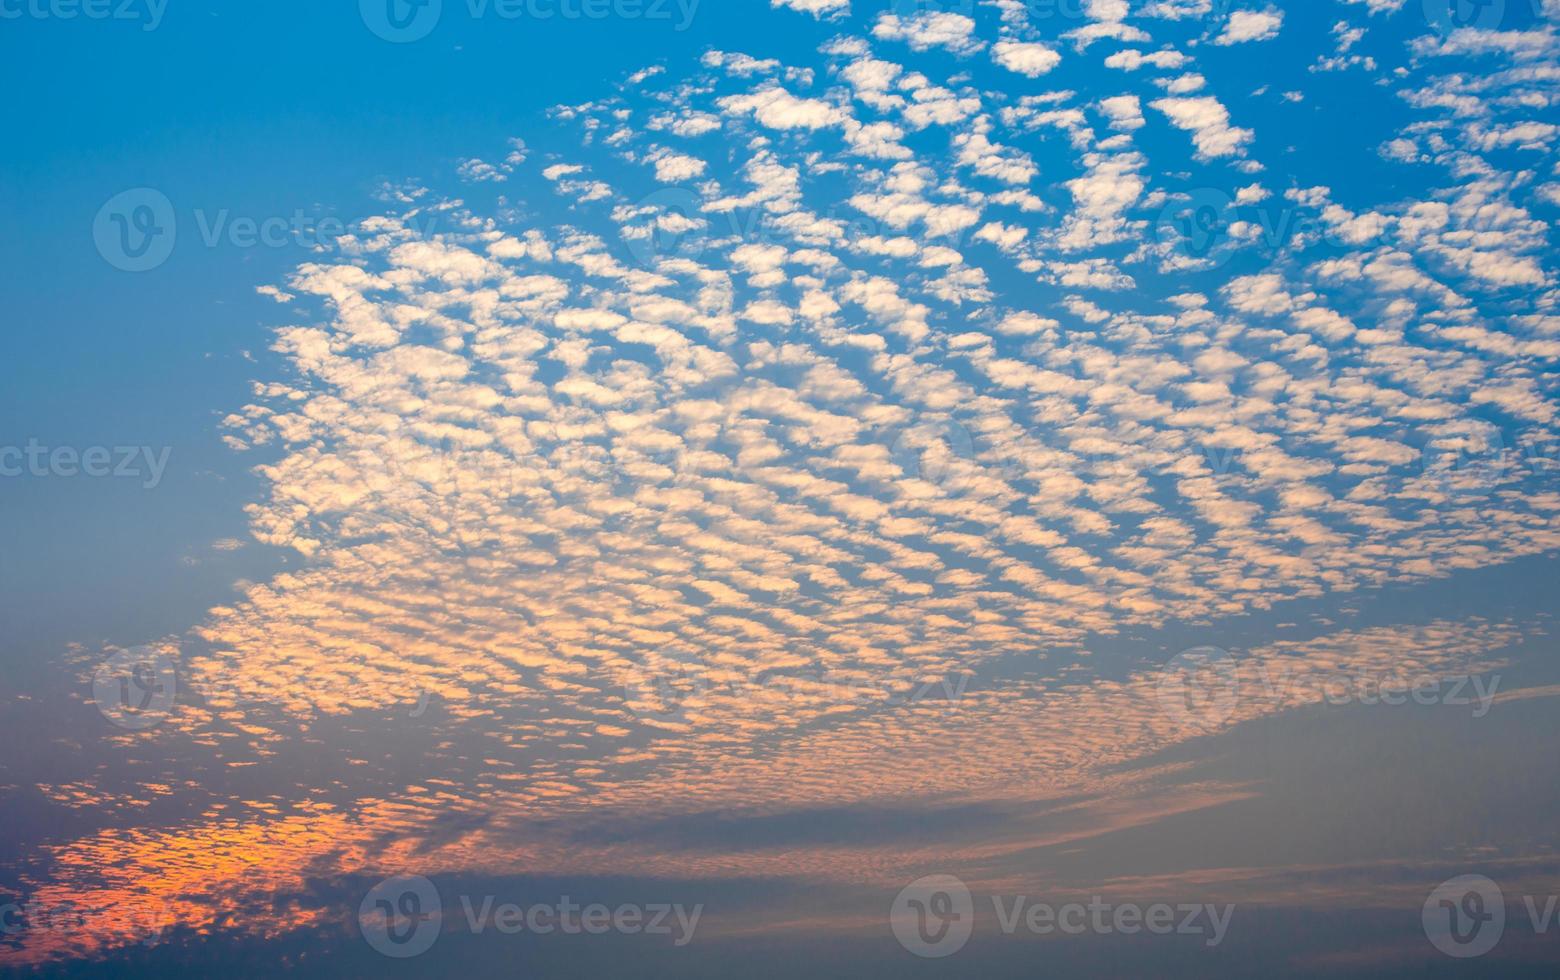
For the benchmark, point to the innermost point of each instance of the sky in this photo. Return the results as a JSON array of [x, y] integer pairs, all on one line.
[[892, 488]]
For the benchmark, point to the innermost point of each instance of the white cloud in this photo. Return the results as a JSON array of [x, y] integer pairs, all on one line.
[[776, 108], [1251, 25], [955, 32], [818, 8], [1032, 59], [1208, 122]]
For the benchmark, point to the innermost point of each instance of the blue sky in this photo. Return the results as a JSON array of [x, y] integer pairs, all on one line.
[[780, 458]]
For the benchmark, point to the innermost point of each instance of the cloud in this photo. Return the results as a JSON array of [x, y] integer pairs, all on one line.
[[818, 8], [1208, 122], [1251, 25], [658, 496], [1030, 59], [954, 32], [776, 108]]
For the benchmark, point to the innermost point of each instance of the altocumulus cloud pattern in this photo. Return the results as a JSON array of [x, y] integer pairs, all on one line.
[[774, 438]]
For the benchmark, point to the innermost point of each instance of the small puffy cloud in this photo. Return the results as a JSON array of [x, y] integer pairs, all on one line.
[[1251, 25], [1026, 58], [818, 8], [1125, 112], [776, 108], [672, 168], [1132, 59], [475, 171]]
